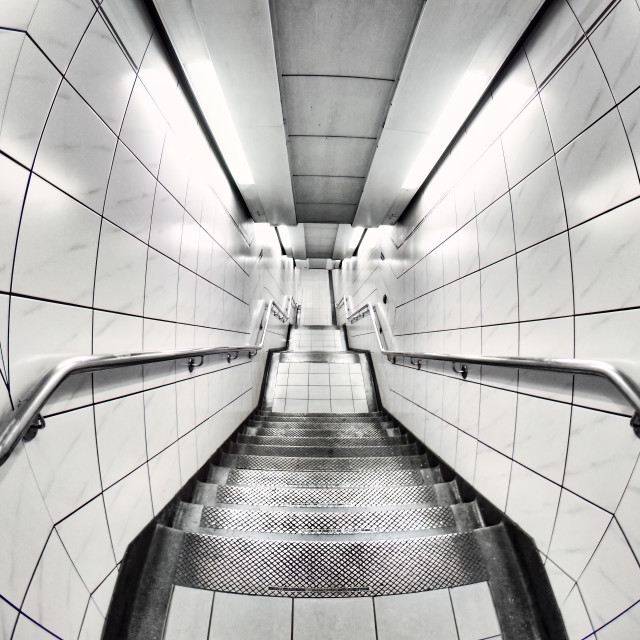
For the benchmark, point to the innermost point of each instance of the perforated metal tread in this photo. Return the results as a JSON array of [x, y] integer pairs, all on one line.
[[290, 463], [359, 496], [335, 451], [328, 478], [372, 417], [307, 432], [328, 522], [329, 569], [340, 440]]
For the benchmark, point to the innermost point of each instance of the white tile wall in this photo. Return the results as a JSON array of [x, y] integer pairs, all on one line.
[[546, 268], [112, 240]]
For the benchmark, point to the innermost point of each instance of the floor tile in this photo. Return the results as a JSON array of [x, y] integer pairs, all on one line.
[[189, 614], [474, 611], [335, 618]]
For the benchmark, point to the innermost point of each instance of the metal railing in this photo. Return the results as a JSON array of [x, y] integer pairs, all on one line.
[[621, 381], [26, 420]]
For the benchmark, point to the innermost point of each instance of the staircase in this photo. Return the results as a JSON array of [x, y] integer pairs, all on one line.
[[350, 527]]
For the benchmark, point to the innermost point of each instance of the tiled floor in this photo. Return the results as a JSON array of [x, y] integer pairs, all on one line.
[[329, 339], [319, 386], [314, 296], [462, 613]]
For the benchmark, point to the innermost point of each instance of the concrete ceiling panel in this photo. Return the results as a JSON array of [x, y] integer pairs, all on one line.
[[327, 190], [329, 106], [330, 156], [320, 239], [333, 213], [334, 37]]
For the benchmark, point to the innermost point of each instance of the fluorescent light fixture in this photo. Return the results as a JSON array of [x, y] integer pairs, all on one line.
[[211, 99], [457, 109]]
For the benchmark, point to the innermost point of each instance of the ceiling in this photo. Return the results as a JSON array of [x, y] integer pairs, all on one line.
[[333, 100]]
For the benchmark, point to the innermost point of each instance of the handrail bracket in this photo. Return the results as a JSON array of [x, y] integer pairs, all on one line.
[[36, 425]]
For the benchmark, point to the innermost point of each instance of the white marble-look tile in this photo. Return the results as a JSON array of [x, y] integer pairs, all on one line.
[[627, 511], [465, 463], [17, 15], [579, 528], [498, 418], [452, 305], [576, 96], [605, 270], [102, 74], [450, 262], [56, 251], [174, 164], [133, 25], [337, 618], [588, 11], [529, 131], [630, 112], [435, 269], [57, 598], [121, 271], [85, 536], [469, 414], [500, 340], [575, 616], [186, 304], [92, 623], [121, 437], [189, 614], [130, 194], [28, 630], [470, 311], [464, 201], [625, 626], [556, 33], [610, 335], [164, 474], [490, 177], [495, 232], [24, 527], [616, 45], [499, 292], [8, 618], [161, 290], [166, 224], [129, 509], [611, 582], [189, 244], [492, 475], [188, 450], [160, 418], [57, 26], [144, 128], [560, 582], [157, 75], [13, 183], [31, 88], [597, 171], [403, 617], [102, 595], [538, 208], [468, 248], [435, 310], [542, 435], [474, 611], [602, 454], [269, 619], [544, 280], [533, 503]]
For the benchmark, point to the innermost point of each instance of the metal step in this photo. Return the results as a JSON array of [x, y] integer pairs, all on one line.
[[328, 497], [291, 463], [335, 451], [308, 432], [373, 417], [310, 441], [328, 522], [329, 569], [328, 478]]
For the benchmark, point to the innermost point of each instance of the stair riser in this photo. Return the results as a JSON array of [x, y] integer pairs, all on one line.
[[290, 463], [322, 452]]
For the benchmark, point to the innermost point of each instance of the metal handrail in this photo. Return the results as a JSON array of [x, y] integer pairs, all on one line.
[[625, 385], [26, 420]]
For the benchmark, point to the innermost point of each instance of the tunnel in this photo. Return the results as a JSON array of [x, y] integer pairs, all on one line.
[[319, 319]]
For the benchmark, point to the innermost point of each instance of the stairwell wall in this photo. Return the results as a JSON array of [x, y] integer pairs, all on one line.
[[525, 242], [119, 232]]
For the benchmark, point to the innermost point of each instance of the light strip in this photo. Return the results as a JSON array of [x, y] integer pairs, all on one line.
[[457, 109], [208, 91]]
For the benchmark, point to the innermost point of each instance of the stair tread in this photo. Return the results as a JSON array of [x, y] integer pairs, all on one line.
[[293, 463], [309, 568], [309, 441], [330, 451]]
